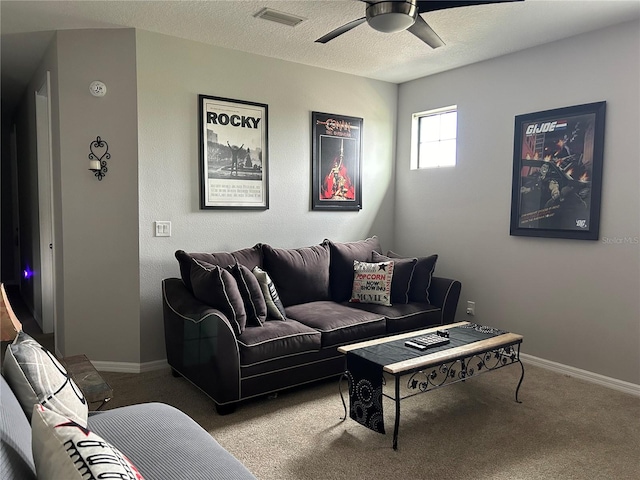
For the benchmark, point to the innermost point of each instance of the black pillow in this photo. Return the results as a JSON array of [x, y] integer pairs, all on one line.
[[251, 293], [341, 264], [425, 266], [402, 274], [217, 288]]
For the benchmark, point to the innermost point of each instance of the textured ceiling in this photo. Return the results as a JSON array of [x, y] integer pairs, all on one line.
[[471, 34]]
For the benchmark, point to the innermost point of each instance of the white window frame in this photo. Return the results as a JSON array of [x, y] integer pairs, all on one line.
[[418, 163]]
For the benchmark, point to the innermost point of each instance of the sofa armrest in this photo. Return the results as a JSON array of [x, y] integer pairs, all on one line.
[[200, 343], [445, 293]]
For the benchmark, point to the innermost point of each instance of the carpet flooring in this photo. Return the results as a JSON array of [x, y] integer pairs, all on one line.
[[565, 428]]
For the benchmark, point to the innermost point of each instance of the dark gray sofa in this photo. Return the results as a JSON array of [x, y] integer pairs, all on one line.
[[161, 441], [314, 284]]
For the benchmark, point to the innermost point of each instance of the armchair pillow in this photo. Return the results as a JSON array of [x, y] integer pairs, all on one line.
[[421, 280], [62, 449], [36, 377]]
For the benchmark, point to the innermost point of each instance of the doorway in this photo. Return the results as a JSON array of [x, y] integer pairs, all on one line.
[[45, 208]]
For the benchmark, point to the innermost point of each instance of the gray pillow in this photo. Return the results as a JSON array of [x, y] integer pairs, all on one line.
[[402, 274], [36, 377], [275, 309]]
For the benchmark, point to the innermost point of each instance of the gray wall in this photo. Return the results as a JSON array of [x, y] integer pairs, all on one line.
[[171, 74], [575, 302], [98, 274]]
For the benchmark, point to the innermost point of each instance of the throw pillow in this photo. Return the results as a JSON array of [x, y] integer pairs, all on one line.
[[421, 281], [217, 288], [275, 309], [252, 297], [402, 274], [301, 274], [341, 264], [36, 377], [372, 282], [62, 449]]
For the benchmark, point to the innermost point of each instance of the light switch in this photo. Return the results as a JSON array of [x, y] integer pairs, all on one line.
[[163, 229]]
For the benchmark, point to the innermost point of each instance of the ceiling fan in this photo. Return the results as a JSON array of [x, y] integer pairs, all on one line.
[[395, 16]]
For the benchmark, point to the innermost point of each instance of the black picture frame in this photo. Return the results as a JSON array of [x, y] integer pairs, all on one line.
[[557, 172], [336, 162], [234, 154]]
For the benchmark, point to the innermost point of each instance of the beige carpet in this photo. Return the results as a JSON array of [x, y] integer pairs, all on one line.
[[564, 429]]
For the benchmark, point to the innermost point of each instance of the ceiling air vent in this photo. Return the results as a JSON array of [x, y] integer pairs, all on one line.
[[279, 17]]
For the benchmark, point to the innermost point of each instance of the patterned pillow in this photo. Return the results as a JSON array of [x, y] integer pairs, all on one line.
[[254, 303], [421, 281], [372, 282], [62, 449], [275, 309], [402, 274], [36, 377], [217, 288]]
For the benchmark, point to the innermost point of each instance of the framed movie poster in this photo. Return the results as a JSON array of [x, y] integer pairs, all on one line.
[[336, 163], [557, 172], [234, 155]]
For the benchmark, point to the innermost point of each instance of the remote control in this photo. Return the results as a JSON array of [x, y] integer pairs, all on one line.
[[430, 340], [417, 346]]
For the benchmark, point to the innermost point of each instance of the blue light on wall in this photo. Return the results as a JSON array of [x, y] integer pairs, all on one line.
[[27, 273]]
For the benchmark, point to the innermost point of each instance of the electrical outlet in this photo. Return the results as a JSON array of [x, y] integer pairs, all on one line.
[[163, 229], [471, 308]]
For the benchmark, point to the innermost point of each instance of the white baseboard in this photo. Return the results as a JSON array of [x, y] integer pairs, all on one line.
[[130, 367], [615, 384]]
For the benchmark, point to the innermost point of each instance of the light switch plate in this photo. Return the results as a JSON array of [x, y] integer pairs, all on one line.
[[163, 229]]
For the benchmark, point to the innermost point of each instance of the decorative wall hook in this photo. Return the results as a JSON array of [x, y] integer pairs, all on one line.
[[98, 157]]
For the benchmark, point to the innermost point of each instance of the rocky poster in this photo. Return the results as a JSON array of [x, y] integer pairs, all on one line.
[[233, 154]]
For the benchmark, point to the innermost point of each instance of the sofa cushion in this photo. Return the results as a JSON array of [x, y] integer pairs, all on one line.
[[421, 280], [37, 377], [276, 340], [372, 282], [338, 323], [16, 460], [300, 274], [402, 274], [217, 288], [252, 297], [342, 255], [275, 309], [404, 317], [62, 449], [249, 257]]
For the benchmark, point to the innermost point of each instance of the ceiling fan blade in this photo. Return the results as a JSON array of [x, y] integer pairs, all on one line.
[[425, 33], [340, 30], [433, 5]]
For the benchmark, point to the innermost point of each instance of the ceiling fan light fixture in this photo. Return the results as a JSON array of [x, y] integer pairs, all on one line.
[[390, 17]]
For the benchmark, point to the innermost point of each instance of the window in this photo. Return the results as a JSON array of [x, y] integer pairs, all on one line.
[[433, 138]]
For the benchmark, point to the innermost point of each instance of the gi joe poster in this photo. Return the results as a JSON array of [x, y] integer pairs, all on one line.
[[233, 154], [337, 147], [557, 172]]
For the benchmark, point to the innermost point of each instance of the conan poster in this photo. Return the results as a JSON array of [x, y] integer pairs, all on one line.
[[337, 147], [557, 172], [233, 154]]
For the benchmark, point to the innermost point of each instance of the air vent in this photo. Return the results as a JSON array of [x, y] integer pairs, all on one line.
[[279, 17]]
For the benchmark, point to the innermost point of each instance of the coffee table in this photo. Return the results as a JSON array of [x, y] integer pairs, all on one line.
[[93, 386], [473, 349]]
